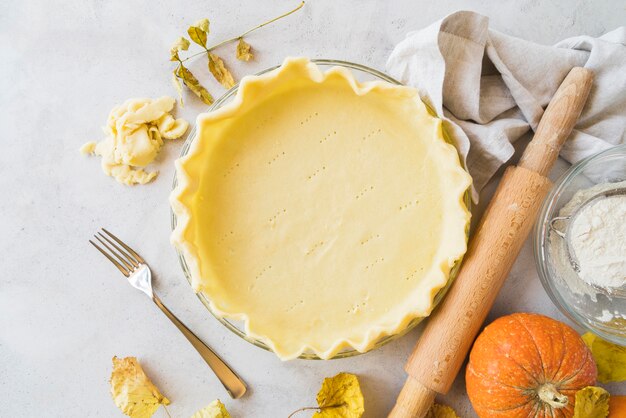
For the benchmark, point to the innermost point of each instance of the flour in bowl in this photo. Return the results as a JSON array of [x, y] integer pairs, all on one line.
[[598, 240]]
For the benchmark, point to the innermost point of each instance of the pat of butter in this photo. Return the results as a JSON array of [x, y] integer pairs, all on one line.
[[134, 136]]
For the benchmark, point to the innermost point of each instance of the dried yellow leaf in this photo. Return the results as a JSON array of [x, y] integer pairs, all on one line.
[[243, 51], [203, 24], [610, 358], [591, 402], [219, 71], [132, 391], [215, 409], [340, 397], [194, 85], [181, 44], [441, 411], [198, 32]]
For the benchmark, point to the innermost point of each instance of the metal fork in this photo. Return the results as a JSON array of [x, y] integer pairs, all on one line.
[[140, 277]]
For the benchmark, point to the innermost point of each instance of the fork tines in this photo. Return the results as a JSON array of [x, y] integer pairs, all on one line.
[[118, 253]]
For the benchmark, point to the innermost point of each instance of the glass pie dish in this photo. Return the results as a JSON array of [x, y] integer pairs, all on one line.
[[362, 74], [603, 312]]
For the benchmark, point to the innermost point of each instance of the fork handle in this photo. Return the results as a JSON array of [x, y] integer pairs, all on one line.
[[232, 383]]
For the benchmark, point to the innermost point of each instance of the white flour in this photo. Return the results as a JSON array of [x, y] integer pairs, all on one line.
[[591, 302], [598, 240]]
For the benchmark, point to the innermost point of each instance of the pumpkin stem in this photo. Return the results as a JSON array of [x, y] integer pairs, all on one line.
[[550, 395]]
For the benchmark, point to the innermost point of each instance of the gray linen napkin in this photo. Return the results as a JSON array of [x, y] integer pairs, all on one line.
[[491, 88]]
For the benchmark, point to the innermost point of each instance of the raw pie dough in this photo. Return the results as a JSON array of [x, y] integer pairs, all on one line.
[[134, 136], [323, 212]]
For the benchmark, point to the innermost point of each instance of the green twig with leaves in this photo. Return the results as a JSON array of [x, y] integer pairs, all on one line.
[[198, 33]]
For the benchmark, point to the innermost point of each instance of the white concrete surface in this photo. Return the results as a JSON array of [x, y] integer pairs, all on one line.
[[64, 311]]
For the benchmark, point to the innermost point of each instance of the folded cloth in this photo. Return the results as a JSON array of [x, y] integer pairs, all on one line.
[[490, 88]]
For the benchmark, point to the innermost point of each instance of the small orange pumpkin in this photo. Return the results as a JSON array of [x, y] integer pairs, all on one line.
[[528, 365]]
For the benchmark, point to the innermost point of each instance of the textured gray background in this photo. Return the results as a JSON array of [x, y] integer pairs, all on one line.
[[64, 312]]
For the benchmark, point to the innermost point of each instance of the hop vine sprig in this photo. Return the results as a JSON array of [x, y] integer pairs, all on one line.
[[198, 33]]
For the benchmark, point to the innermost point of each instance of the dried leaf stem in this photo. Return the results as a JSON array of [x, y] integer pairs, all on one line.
[[236, 38], [198, 33], [167, 412], [318, 408]]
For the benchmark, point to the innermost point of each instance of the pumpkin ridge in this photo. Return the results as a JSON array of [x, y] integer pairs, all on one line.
[[586, 359], [562, 413], [578, 370], [496, 413], [511, 408], [491, 379], [558, 369], [552, 412], [573, 391], [537, 406], [495, 343], [547, 409], [532, 338], [541, 409]]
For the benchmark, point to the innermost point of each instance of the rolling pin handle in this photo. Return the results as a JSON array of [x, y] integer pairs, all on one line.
[[414, 400], [557, 121]]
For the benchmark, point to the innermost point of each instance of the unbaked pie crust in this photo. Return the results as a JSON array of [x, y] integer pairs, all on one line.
[[323, 212]]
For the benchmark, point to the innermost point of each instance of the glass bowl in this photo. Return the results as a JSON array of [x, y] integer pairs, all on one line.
[[362, 73], [602, 313]]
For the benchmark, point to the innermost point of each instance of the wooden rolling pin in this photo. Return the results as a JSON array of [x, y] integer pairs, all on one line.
[[451, 329]]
